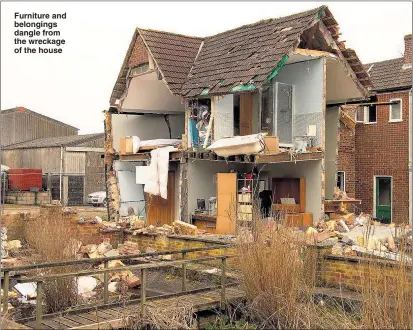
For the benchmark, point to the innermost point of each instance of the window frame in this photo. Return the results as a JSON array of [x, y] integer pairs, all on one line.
[[401, 111], [367, 115], [363, 111], [344, 180]]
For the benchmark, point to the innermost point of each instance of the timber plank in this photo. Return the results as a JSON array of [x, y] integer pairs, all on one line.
[[32, 325], [78, 319], [67, 322], [53, 324]]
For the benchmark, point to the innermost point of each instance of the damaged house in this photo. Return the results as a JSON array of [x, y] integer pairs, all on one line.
[[200, 128]]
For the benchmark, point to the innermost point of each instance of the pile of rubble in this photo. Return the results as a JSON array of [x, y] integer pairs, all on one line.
[[359, 235], [9, 249]]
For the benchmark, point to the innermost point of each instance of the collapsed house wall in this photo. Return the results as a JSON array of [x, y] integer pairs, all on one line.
[[308, 103], [146, 127], [330, 154], [311, 172], [201, 183]]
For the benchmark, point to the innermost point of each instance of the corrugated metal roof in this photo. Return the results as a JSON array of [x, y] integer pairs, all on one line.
[[65, 141], [34, 113]]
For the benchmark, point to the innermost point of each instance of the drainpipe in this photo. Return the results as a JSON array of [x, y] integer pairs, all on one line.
[[60, 174], [410, 158]]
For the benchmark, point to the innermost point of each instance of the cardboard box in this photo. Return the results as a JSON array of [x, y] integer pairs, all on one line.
[[126, 145], [271, 145]]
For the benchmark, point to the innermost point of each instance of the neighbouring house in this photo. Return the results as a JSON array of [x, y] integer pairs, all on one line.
[[249, 110], [72, 165], [375, 159]]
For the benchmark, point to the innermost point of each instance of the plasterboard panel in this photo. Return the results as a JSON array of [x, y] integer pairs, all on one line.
[[146, 93]]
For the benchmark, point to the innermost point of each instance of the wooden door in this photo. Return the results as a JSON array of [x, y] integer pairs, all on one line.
[[245, 114], [161, 211], [226, 200], [383, 199]]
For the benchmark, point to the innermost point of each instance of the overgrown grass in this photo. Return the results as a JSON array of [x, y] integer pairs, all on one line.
[[54, 240], [279, 272]]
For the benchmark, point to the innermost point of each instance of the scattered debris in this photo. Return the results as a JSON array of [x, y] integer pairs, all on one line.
[[184, 228]]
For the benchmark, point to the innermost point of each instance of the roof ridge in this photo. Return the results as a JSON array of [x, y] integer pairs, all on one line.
[[172, 33], [265, 20], [15, 109], [392, 59]]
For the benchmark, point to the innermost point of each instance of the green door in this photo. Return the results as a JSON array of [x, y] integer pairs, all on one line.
[[383, 199]]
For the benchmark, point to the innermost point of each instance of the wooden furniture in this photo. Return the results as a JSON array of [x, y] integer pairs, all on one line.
[[289, 187], [205, 221], [245, 114], [226, 203], [272, 145], [161, 211], [331, 206], [299, 219]]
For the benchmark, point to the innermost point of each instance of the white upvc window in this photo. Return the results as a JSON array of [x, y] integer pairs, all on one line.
[[370, 114], [341, 180], [395, 114], [360, 115]]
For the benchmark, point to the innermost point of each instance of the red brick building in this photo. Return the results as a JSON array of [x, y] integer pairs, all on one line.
[[376, 157]]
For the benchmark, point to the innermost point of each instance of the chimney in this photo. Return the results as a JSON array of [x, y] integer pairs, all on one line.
[[408, 49]]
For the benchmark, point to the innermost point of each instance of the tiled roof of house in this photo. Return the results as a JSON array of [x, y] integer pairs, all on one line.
[[245, 57], [389, 74], [246, 54], [174, 55], [60, 141], [34, 113]]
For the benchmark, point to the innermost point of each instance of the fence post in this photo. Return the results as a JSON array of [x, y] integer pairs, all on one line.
[[106, 283], [143, 292], [223, 280], [183, 272], [39, 307], [6, 291]]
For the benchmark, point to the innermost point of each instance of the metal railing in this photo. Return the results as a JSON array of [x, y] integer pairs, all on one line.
[[142, 267]]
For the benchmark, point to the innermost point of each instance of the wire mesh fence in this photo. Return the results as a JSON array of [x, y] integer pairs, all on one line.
[[34, 187]]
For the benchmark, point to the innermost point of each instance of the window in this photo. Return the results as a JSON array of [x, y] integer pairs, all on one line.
[[395, 110], [139, 69], [360, 115], [341, 180], [370, 114]]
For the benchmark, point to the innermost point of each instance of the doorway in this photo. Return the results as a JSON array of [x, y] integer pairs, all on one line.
[[383, 198]]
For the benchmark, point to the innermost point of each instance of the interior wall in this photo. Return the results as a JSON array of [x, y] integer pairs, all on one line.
[[307, 79], [131, 194], [330, 153], [201, 183], [224, 117], [256, 113], [340, 86], [311, 172], [146, 127], [146, 93]]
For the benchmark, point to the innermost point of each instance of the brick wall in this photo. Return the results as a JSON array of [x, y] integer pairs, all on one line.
[[165, 243], [346, 157], [408, 49], [382, 149], [348, 272], [139, 54]]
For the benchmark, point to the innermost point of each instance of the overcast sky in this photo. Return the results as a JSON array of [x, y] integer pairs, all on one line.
[[74, 87]]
